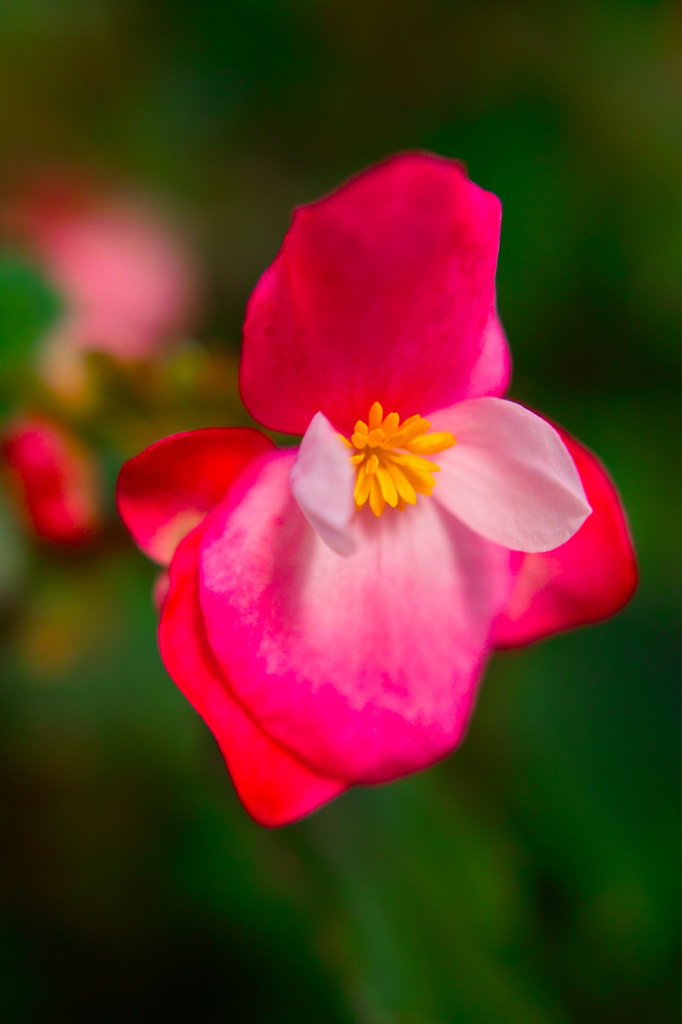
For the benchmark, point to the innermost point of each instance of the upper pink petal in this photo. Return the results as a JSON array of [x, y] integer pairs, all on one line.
[[587, 579], [382, 291], [274, 785], [366, 666], [509, 477], [168, 488], [54, 478]]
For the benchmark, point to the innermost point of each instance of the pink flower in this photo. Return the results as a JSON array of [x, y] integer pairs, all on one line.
[[53, 478], [331, 607], [127, 283]]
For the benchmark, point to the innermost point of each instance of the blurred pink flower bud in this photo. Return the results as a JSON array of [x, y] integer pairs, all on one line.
[[127, 282], [54, 480]]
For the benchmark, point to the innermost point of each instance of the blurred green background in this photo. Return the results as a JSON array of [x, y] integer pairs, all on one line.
[[535, 876]]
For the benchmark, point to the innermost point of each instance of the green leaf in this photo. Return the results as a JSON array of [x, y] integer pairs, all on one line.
[[28, 308]]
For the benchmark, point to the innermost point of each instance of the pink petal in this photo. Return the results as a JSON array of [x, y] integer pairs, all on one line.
[[365, 666], [322, 482], [166, 490], [588, 578], [54, 478], [492, 373], [381, 291], [160, 590], [509, 477], [274, 786]]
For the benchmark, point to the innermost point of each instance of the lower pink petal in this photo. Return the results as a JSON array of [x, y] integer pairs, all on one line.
[[588, 578], [166, 490], [365, 665], [274, 786]]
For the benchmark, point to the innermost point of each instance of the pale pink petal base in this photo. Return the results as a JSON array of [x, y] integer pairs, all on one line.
[[274, 786], [365, 666], [509, 477], [587, 579], [322, 480]]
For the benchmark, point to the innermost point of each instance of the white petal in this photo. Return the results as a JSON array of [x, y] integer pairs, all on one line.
[[322, 479], [509, 477]]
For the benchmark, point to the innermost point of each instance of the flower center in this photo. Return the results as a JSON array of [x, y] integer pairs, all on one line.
[[389, 454]]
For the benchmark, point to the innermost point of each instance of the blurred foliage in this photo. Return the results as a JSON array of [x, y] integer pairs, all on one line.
[[28, 307], [534, 876]]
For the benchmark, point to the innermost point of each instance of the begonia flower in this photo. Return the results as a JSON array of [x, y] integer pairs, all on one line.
[[331, 606], [53, 478]]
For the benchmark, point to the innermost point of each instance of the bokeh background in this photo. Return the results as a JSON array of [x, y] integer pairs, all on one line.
[[534, 877]]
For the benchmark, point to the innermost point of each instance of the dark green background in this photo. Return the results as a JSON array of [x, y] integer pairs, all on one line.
[[535, 876]]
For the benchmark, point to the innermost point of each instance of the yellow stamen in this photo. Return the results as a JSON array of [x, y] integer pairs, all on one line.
[[377, 502], [388, 456], [363, 484], [376, 416]]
